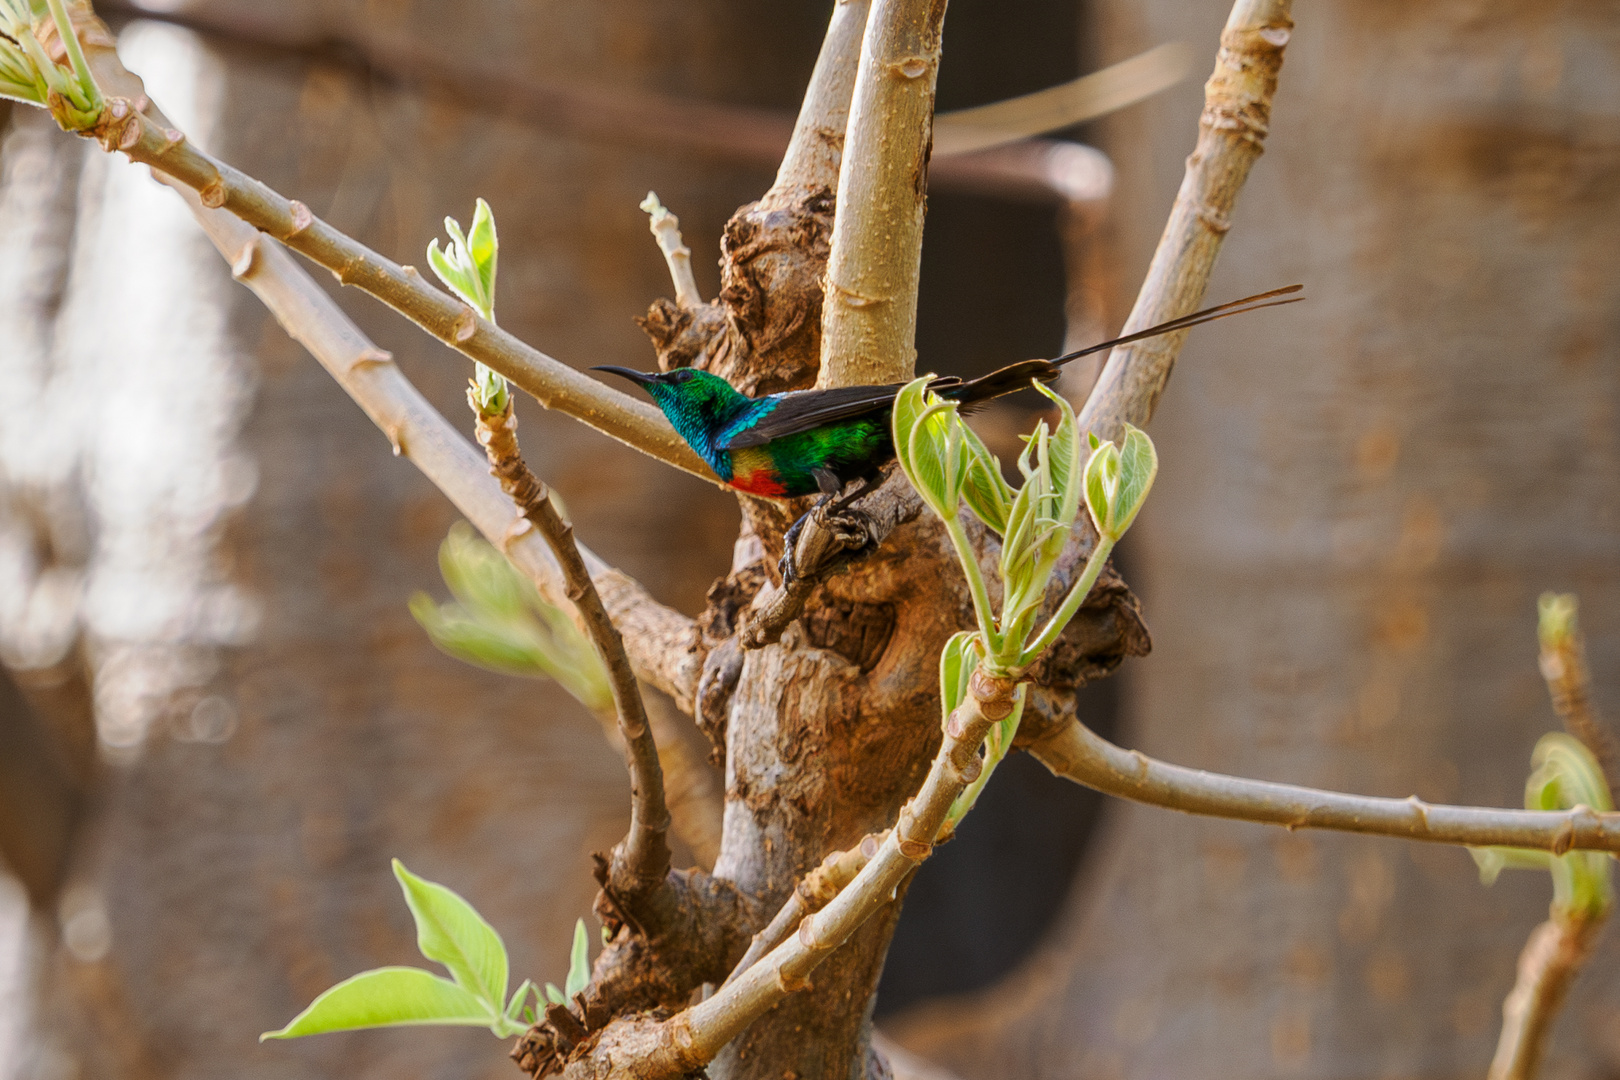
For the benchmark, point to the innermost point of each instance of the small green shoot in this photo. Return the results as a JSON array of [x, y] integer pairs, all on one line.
[[579, 968], [467, 268], [1564, 775], [499, 622], [448, 931]]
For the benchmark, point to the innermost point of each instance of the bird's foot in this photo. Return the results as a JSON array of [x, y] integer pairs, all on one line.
[[850, 534]]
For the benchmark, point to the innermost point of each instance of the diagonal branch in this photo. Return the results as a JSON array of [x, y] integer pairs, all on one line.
[[1076, 753], [1231, 136], [641, 861], [664, 644], [555, 385]]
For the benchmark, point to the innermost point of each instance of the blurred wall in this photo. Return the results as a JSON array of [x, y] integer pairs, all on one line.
[[1361, 498]]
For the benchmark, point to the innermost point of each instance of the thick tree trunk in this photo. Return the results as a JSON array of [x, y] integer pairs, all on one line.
[[1361, 498]]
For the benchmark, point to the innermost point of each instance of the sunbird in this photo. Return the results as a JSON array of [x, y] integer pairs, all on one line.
[[802, 442]]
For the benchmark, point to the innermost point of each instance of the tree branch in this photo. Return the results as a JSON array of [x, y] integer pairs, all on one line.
[[811, 162], [869, 317], [1231, 135], [1551, 959], [552, 383], [666, 230], [1077, 753], [641, 860]]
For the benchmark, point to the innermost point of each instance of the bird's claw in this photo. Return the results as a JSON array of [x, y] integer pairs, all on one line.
[[851, 532]]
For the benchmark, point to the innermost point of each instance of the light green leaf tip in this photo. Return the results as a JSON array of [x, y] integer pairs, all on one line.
[[387, 997], [1556, 620], [579, 962], [1138, 466], [449, 931]]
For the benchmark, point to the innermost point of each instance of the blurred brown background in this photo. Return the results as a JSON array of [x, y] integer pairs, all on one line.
[[225, 722]]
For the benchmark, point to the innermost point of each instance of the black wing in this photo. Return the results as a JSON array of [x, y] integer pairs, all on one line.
[[802, 410]]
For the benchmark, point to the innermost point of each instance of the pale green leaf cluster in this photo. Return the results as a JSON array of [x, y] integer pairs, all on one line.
[[1564, 775], [949, 466], [467, 268], [498, 621], [29, 75], [450, 932]]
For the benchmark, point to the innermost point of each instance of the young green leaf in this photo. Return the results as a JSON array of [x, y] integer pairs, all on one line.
[[501, 623], [956, 663], [1138, 465], [1557, 617], [449, 931], [1067, 460], [554, 995], [450, 271], [1565, 774], [1102, 482], [514, 1008], [983, 489], [1493, 860], [388, 997], [483, 247], [579, 962]]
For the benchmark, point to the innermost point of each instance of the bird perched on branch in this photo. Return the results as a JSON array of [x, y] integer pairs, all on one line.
[[803, 441]]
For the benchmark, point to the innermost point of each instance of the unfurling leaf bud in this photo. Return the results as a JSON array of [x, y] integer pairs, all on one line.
[[1117, 482]]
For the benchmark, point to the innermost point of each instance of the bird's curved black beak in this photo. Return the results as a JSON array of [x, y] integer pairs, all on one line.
[[629, 373]]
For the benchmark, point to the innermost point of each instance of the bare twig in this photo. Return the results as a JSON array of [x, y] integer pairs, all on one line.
[[1551, 959], [1231, 133], [552, 383], [1563, 665], [869, 318], [1076, 753], [815, 892], [1056, 107], [641, 860], [666, 228]]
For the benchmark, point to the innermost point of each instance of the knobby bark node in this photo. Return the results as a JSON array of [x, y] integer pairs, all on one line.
[[763, 333]]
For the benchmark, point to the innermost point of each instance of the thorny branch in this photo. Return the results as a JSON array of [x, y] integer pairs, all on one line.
[[641, 861]]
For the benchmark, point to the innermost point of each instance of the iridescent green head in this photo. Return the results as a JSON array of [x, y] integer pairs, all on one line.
[[697, 403]]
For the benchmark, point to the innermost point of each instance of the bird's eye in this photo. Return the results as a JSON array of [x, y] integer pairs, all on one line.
[[684, 376]]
